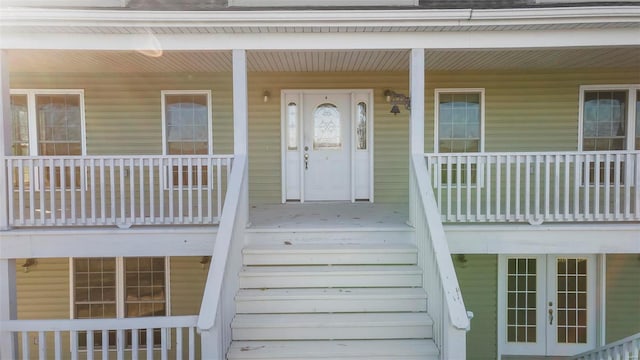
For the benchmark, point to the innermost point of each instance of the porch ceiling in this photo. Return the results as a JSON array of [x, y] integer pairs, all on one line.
[[320, 61]]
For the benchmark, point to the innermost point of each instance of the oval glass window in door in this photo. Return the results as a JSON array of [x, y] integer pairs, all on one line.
[[326, 128]]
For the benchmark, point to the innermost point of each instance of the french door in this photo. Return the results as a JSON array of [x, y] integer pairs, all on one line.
[[547, 304]]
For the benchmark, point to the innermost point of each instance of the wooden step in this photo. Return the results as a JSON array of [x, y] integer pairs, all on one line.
[[313, 254], [268, 301], [332, 326], [263, 277], [334, 350]]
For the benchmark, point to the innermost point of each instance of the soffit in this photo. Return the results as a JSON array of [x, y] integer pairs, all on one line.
[[319, 61]]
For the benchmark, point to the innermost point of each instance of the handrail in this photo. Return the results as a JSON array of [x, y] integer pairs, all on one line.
[[99, 324], [449, 281], [213, 289], [627, 349]]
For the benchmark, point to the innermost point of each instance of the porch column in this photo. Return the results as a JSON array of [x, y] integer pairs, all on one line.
[[240, 103], [5, 139], [8, 307], [416, 91]]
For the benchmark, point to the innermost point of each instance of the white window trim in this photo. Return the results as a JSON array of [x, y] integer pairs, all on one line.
[[164, 93], [120, 303], [632, 90], [436, 113], [33, 121]]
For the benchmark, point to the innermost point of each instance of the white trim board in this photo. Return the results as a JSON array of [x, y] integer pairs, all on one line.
[[543, 239], [276, 3], [324, 41], [50, 243]]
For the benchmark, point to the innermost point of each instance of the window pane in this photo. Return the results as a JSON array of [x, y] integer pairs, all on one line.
[[292, 126], [59, 124], [521, 304], [94, 288], [20, 123], [361, 127], [604, 120], [145, 287], [187, 124], [459, 117], [326, 129]]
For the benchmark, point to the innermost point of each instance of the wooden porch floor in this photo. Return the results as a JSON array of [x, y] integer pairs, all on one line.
[[329, 215]]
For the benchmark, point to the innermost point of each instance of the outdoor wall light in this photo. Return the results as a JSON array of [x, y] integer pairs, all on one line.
[[204, 261], [266, 95], [397, 99], [28, 263]]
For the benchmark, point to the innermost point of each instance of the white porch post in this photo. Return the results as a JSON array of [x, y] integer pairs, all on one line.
[[240, 102], [8, 305], [416, 91], [416, 120]]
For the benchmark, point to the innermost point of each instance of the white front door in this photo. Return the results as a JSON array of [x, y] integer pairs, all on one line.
[[547, 304]]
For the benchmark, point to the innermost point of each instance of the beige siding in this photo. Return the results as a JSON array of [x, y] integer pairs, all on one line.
[[188, 278], [623, 296], [390, 132], [478, 279], [525, 111], [123, 112]]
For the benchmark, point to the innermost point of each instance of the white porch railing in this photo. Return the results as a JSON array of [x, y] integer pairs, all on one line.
[[625, 349], [218, 307], [537, 187], [173, 337], [116, 190], [445, 304]]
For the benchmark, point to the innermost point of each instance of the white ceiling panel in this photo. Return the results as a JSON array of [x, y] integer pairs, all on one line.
[[319, 61]]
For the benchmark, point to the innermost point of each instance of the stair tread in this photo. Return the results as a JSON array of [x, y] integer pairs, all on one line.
[[323, 320], [332, 349], [330, 293], [323, 269], [330, 248]]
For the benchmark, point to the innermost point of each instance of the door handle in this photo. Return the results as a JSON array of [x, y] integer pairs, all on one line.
[[550, 316], [306, 161]]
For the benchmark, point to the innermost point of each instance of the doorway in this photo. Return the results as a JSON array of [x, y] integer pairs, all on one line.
[[327, 145]]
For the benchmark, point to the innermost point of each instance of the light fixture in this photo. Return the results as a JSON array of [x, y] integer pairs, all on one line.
[[265, 95], [204, 261], [397, 99], [29, 263]]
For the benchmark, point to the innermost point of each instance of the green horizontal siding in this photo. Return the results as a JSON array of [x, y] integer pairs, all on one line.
[[477, 275], [622, 296]]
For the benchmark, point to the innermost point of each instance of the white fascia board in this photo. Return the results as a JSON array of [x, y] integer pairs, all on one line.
[[50, 243], [320, 18], [544, 239], [327, 41]]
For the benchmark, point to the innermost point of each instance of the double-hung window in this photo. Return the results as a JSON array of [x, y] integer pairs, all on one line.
[[459, 128], [119, 288], [48, 123], [186, 129], [609, 121]]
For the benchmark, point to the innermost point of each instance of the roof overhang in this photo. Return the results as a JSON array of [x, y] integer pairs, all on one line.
[[335, 29]]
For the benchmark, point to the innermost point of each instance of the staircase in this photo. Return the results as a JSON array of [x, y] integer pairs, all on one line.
[[343, 295]]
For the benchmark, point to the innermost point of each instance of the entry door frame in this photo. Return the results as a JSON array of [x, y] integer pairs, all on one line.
[[356, 96], [545, 268]]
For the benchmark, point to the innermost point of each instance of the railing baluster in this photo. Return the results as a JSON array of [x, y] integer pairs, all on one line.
[[152, 205], [527, 189], [112, 187], [636, 166], [488, 186], [180, 191], [618, 183], [162, 178], [190, 189], [556, 187], [178, 335], [200, 185], [547, 186], [210, 189], [479, 179], [122, 187], [468, 185], [93, 188], [41, 190], [132, 191], [57, 345], [507, 204], [219, 186], [577, 166], [518, 186], [52, 191], [163, 343], [120, 344], [587, 186], [89, 345], [596, 186], [26, 349], [498, 187], [449, 194], [134, 344], [192, 343], [63, 193], [73, 344], [149, 339], [11, 193], [32, 192], [607, 186], [141, 207], [42, 345], [627, 186], [105, 344]]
